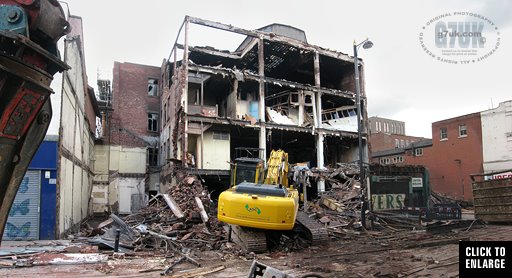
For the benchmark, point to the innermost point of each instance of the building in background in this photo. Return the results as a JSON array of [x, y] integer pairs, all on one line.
[[497, 138], [126, 153], [454, 152], [412, 154], [384, 125], [388, 143]]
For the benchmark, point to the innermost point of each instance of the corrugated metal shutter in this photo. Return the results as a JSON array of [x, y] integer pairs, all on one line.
[[23, 220]]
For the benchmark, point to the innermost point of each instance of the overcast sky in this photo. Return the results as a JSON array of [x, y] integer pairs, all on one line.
[[402, 81]]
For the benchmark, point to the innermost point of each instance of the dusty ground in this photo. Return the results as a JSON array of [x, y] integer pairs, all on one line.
[[353, 254]]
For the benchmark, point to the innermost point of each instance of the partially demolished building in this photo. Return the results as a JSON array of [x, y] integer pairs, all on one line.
[[274, 91]]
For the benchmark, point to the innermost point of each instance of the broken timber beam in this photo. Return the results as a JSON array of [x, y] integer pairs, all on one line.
[[173, 206], [204, 215], [332, 204], [210, 52]]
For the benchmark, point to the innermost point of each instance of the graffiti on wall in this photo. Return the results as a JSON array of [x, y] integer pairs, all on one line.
[[20, 207], [17, 232]]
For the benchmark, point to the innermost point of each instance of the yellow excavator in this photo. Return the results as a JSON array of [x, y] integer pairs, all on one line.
[[254, 205]]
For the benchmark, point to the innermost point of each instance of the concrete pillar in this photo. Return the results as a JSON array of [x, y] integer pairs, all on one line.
[[318, 115], [261, 99], [301, 107], [185, 99]]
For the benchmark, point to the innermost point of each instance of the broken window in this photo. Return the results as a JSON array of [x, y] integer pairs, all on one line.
[[443, 133], [153, 122], [463, 132], [168, 149], [152, 156], [164, 153], [418, 152], [169, 70], [243, 95], [165, 112], [152, 87]]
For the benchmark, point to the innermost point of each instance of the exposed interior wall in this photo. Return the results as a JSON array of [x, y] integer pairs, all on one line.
[[216, 150], [113, 189], [131, 194], [76, 141]]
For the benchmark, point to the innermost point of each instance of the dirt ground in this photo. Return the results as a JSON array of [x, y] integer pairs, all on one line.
[[353, 254]]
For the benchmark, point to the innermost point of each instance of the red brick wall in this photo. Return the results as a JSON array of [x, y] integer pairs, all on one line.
[[451, 161], [131, 103]]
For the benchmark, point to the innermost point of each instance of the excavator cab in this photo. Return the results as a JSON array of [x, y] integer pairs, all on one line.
[[246, 169]]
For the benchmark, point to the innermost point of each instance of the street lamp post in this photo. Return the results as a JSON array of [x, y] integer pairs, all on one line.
[[366, 44]]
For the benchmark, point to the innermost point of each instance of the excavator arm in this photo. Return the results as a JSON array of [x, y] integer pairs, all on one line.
[[277, 168], [29, 31]]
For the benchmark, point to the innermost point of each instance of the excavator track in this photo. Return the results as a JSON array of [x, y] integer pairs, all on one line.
[[314, 231], [251, 240]]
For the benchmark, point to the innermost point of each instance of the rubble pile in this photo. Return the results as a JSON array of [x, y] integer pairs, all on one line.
[[183, 219], [339, 207]]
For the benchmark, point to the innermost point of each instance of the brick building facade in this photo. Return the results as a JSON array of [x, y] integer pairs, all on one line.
[[456, 153], [136, 105]]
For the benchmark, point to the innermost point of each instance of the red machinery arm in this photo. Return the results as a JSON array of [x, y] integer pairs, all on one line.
[[29, 31]]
